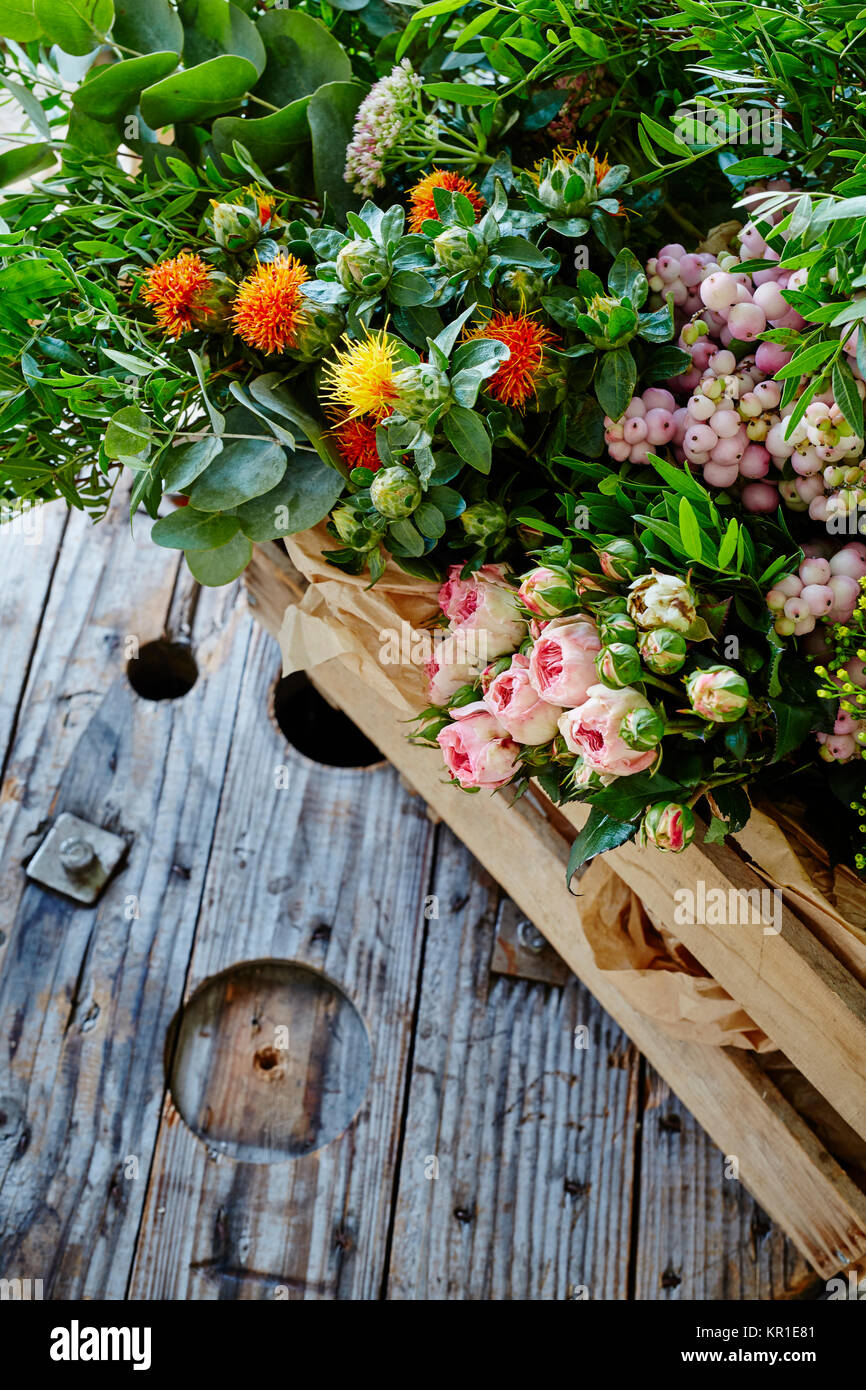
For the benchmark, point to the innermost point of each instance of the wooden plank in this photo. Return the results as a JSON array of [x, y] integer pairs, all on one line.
[[329, 870], [793, 987], [518, 1152], [27, 561], [699, 1233], [781, 1161], [87, 995]]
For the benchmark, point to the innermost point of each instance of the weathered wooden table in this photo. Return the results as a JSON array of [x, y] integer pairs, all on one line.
[[274, 1061]]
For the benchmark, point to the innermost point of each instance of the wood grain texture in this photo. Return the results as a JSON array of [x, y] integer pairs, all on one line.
[[699, 1234], [87, 994], [523, 1105], [330, 870]]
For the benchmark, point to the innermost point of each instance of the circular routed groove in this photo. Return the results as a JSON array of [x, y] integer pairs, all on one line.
[[163, 670], [271, 1061], [312, 726]]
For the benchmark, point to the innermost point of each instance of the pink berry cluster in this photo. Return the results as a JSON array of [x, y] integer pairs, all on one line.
[[648, 423], [821, 588], [724, 414]]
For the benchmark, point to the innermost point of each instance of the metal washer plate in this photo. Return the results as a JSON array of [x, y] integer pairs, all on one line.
[[47, 869]]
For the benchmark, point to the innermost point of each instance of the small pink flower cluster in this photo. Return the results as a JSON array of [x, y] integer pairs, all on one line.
[[391, 104], [679, 272], [553, 688]]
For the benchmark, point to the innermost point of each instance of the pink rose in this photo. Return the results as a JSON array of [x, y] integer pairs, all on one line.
[[476, 749], [562, 662], [449, 668], [483, 604], [593, 731], [514, 701]]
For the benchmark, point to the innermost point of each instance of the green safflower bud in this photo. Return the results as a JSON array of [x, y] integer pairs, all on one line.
[[320, 327], [353, 529], [669, 825], [519, 289], [211, 310], [395, 492], [718, 693], [483, 521], [420, 390], [618, 665], [642, 729], [460, 250], [567, 187], [236, 226], [662, 650], [363, 267]]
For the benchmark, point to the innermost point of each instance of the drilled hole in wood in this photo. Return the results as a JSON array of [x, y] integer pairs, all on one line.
[[322, 733], [271, 1060], [163, 670]]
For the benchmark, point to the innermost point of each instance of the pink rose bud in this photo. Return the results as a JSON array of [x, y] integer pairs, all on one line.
[[476, 749], [516, 704], [562, 662], [669, 826], [594, 731], [718, 693], [546, 592]]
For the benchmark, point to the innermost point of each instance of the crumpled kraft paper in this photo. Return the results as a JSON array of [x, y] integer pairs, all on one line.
[[652, 970], [340, 616]]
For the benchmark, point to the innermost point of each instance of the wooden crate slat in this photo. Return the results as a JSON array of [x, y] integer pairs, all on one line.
[[790, 984]]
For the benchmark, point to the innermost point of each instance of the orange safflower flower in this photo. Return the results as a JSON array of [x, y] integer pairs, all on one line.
[[356, 442], [422, 206], [270, 306], [361, 380], [173, 288], [516, 379]]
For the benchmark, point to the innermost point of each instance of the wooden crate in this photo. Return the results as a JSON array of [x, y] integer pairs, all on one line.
[[810, 1005]]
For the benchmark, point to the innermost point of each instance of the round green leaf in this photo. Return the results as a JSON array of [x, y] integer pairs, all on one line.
[[247, 468], [181, 466], [615, 380], [113, 91], [302, 55], [306, 493], [76, 26], [199, 92], [212, 27], [147, 26], [128, 434], [18, 20], [331, 113], [215, 567], [266, 137], [187, 529]]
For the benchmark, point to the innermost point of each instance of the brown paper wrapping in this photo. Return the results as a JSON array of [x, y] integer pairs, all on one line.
[[340, 616]]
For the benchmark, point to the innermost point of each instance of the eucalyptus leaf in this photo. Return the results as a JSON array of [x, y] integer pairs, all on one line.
[[188, 529], [244, 468], [215, 567]]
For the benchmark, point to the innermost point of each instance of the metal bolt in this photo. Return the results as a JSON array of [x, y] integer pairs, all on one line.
[[76, 855], [529, 936]]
